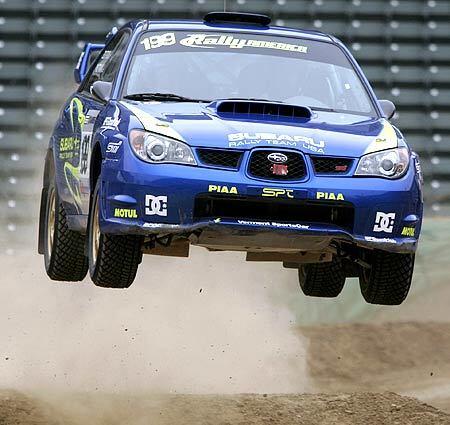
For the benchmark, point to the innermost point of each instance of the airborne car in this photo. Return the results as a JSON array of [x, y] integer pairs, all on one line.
[[232, 135]]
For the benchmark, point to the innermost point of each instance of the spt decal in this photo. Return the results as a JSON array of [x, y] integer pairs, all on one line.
[[277, 193], [113, 147]]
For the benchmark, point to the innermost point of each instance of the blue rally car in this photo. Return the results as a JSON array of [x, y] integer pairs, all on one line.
[[233, 135]]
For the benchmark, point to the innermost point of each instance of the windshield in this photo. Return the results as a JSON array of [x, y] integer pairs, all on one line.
[[209, 66]]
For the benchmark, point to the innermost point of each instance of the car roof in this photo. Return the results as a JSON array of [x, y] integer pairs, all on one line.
[[196, 25]]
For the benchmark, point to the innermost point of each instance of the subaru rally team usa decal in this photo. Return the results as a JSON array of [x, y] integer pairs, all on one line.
[[237, 140]]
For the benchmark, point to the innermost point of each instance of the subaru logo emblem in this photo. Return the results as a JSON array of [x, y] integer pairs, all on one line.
[[277, 157]]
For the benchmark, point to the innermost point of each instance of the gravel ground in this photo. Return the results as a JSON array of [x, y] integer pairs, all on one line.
[[342, 409]]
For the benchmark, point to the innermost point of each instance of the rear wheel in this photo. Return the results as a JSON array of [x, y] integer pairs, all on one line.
[[113, 259], [64, 255], [322, 279], [388, 280]]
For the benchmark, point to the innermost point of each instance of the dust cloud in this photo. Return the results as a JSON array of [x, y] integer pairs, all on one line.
[[208, 324]]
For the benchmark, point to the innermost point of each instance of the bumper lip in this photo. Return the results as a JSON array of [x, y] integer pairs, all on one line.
[[321, 234]]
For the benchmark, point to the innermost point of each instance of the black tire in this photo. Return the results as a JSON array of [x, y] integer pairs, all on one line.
[[322, 279], [113, 259], [64, 249], [388, 280]]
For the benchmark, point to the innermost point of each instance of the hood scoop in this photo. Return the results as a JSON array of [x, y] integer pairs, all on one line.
[[261, 110]]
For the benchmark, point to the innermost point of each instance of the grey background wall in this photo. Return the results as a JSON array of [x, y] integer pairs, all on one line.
[[402, 45]]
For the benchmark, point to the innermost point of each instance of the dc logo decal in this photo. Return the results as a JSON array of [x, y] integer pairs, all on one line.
[[384, 222], [156, 205]]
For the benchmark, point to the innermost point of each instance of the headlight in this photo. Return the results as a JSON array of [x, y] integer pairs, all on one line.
[[391, 164], [155, 148]]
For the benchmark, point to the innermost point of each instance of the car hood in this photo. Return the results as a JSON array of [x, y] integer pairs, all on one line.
[[326, 133]]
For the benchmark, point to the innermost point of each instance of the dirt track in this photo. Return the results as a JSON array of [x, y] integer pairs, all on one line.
[[343, 409], [84, 355], [404, 357]]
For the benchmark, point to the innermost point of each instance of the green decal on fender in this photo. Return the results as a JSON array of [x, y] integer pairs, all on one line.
[[76, 103], [72, 176]]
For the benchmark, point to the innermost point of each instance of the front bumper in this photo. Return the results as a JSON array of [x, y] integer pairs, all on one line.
[[141, 198]]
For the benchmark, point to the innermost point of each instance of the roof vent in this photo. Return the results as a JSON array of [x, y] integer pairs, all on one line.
[[237, 18]]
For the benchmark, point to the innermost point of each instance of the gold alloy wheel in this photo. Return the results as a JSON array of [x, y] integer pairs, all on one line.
[[95, 240], [51, 215]]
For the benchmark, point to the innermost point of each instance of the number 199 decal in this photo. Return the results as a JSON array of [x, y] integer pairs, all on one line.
[[157, 41]]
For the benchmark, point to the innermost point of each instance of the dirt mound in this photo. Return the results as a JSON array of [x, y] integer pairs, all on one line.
[[18, 409], [343, 409], [408, 358]]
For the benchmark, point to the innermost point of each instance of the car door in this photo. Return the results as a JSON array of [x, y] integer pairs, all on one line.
[[82, 111]]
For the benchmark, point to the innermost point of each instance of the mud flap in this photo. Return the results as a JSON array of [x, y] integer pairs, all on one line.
[[43, 208]]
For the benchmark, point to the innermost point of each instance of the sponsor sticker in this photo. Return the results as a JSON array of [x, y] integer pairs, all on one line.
[[408, 231], [69, 147], [238, 140], [111, 123], [85, 156], [274, 224], [125, 213], [271, 192], [211, 41], [223, 189], [113, 147], [380, 240], [384, 222], [290, 225], [160, 225], [330, 196], [254, 223], [316, 147], [156, 205]]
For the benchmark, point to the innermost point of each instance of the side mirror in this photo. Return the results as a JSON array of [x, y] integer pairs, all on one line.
[[102, 90], [388, 108], [86, 59]]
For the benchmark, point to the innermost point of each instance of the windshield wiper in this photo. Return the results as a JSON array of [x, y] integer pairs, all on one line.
[[316, 108], [252, 99], [164, 97]]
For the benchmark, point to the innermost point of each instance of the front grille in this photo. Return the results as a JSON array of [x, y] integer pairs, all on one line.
[[261, 167], [219, 157], [331, 165], [285, 210]]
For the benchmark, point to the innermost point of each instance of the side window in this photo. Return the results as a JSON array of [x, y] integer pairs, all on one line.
[[109, 61]]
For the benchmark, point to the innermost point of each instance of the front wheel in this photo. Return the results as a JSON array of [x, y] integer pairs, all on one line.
[[113, 259], [388, 280], [322, 279]]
